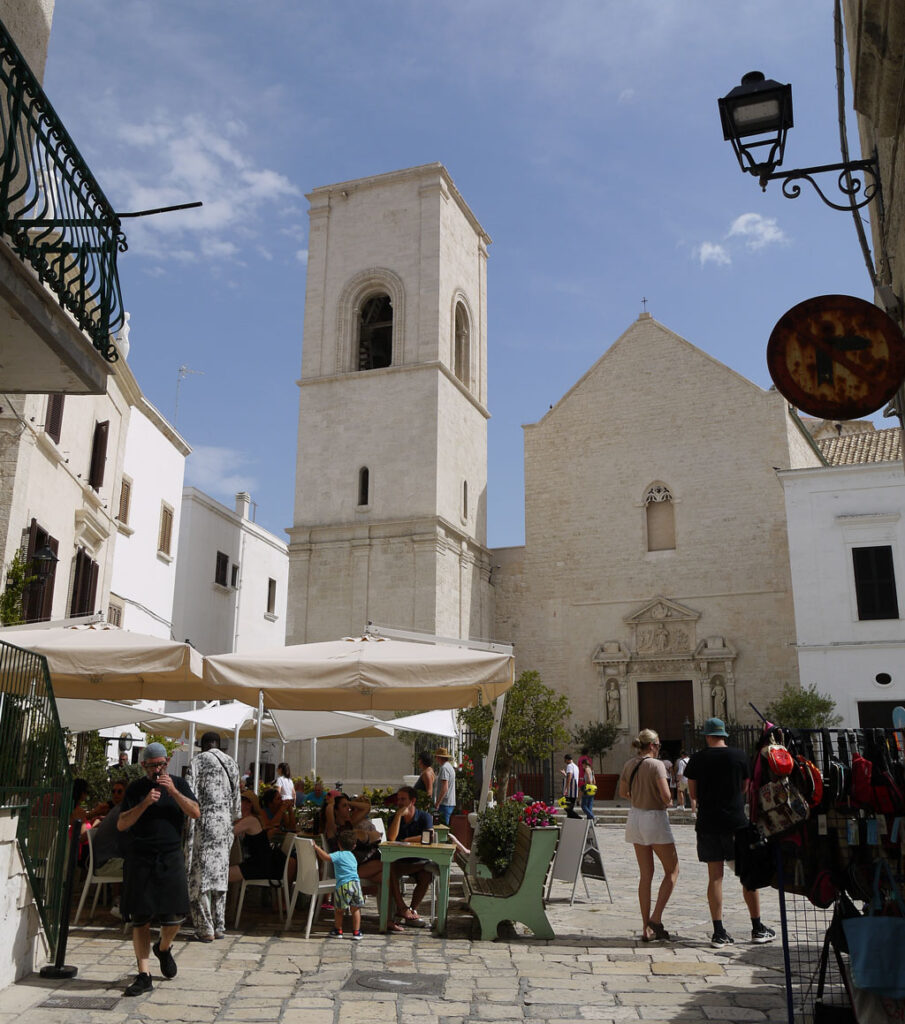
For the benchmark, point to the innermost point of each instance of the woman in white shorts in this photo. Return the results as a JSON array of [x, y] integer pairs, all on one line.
[[644, 783]]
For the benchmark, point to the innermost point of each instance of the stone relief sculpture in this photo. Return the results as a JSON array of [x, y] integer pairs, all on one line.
[[718, 695], [613, 702], [661, 637]]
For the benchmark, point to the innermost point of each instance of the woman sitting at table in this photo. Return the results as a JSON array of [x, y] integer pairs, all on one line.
[[273, 813], [342, 813], [257, 856]]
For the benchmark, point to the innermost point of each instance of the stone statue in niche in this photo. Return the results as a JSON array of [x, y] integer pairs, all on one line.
[[613, 702], [718, 695], [661, 637], [645, 639]]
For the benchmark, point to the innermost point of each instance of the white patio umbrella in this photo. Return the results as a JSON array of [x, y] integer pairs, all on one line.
[[103, 662], [84, 715]]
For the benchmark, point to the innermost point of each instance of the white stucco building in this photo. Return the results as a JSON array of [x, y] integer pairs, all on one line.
[[846, 526], [148, 506], [231, 578]]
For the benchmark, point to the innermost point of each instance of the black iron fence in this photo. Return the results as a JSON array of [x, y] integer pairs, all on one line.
[[35, 781], [745, 737], [52, 211]]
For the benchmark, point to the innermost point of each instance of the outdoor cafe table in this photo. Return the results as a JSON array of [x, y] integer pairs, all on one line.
[[440, 854]]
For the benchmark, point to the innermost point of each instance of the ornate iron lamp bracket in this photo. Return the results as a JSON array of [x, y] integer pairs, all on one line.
[[854, 178]]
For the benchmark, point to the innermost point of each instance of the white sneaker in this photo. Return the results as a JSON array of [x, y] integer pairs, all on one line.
[[116, 912]]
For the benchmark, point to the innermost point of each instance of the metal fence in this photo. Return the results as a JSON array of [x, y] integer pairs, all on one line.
[[35, 781], [52, 211], [746, 737]]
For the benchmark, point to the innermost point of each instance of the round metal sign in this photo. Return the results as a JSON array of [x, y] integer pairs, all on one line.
[[836, 357]]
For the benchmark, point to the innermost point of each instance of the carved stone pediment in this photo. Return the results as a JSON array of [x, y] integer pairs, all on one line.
[[611, 656], [662, 626], [713, 654]]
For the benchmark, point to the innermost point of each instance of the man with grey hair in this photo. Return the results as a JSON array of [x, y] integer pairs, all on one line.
[[214, 777], [154, 883]]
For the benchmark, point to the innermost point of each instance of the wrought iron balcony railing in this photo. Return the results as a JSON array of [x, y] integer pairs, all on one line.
[[52, 211]]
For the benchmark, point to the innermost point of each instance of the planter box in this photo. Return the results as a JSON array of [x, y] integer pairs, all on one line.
[[461, 829]]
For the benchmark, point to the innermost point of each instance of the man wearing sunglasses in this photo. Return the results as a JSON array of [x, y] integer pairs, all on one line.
[[154, 882]]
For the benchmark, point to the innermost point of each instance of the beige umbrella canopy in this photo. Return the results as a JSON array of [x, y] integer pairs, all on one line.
[[362, 674], [103, 662]]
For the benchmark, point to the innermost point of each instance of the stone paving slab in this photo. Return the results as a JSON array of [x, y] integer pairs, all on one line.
[[596, 970]]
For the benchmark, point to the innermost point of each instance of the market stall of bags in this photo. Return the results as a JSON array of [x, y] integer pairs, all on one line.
[[827, 829]]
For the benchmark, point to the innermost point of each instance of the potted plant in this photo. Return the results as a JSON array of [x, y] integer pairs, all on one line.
[[598, 739], [497, 826], [465, 797]]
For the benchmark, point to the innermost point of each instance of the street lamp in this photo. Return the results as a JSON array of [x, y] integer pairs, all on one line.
[[44, 563], [759, 111]]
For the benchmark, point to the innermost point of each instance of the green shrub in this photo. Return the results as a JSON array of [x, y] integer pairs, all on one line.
[[495, 841]]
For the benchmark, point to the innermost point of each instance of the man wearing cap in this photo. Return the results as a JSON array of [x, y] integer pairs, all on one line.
[[154, 883], [717, 779], [214, 777], [444, 786]]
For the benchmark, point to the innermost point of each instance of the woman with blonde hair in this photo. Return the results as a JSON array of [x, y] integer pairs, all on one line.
[[644, 783]]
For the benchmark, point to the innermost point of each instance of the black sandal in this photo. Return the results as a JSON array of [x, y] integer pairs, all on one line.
[[660, 933]]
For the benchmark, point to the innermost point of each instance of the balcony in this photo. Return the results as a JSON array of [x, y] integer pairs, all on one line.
[[60, 299]]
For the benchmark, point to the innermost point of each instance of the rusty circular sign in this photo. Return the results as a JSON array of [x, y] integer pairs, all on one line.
[[836, 357]]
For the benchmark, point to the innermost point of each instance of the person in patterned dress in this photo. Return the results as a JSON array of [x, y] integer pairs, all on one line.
[[214, 778]]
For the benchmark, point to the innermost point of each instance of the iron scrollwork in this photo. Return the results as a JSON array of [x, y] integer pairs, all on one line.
[[52, 210], [860, 177]]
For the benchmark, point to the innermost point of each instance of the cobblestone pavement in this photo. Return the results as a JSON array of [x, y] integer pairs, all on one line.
[[595, 970]]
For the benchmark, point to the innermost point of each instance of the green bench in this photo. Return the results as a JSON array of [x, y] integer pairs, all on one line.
[[517, 895]]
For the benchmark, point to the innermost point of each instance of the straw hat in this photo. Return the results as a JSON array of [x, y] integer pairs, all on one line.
[[442, 752]]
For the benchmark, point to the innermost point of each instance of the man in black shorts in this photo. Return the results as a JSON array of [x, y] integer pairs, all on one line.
[[717, 780], [154, 883]]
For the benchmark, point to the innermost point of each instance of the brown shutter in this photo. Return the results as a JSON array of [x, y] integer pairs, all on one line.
[[165, 536], [98, 455], [54, 419], [84, 584], [47, 596], [125, 501]]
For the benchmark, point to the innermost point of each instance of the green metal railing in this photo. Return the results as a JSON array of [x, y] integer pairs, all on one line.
[[35, 781], [52, 211]]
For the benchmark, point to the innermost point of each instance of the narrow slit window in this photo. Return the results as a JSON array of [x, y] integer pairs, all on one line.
[[271, 597], [464, 499], [462, 355], [364, 486]]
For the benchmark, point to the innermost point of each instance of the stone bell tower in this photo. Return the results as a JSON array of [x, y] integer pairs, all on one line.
[[391, 476]]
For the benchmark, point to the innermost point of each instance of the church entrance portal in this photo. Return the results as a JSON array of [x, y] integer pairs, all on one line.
[[664, 706]]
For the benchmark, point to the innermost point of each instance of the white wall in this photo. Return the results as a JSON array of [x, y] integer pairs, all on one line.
[[218, 619], [830, 511], [144, 578]]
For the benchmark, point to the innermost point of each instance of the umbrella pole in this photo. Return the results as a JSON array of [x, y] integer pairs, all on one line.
[[314, 756], [236, 744], [192, 734], [258, 739], [489, 764]]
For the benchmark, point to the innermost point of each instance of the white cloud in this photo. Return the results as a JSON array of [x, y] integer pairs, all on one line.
[[712, 252], [219, 471], [757, 231], [302, 256], [626, 96]]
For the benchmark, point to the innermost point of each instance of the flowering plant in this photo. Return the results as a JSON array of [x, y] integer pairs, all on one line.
[[497, 827], [538, 814], [465, 784]]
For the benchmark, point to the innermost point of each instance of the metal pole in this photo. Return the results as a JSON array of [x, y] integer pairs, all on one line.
[[258, 739], [489, 762], [192, 728], [59, 968], [314, 756]]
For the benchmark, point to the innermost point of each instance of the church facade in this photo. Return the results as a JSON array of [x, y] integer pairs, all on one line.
[[653, 587]]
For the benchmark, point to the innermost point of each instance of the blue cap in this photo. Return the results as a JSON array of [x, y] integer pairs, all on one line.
[[154, 750], [715, 727]]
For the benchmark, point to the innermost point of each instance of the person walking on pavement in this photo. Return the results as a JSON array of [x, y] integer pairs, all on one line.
[[717, 780], [444, 786], [643, 782], [570, 786], [154, 884], [214, 778]]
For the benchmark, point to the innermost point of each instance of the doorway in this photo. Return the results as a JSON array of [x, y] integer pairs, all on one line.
[[664, 706]]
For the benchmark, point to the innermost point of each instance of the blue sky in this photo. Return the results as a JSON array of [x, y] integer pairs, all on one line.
[[584, 135]]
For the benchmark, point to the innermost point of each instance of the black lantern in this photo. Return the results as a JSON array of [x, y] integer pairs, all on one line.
[[44, 563], [759, 106], [756, 117]]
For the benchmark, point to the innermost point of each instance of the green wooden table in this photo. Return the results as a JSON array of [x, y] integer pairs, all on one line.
[[440, 854]]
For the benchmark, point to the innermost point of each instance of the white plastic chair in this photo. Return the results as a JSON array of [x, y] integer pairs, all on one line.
[[307, 882], [381, 828], [93, 879], [265, 883]]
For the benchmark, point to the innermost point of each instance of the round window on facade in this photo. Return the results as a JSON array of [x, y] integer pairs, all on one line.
[[883, 678]]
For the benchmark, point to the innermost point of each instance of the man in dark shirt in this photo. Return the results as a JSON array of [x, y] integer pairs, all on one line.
[[154, 882], [406, 827], [717, 779]]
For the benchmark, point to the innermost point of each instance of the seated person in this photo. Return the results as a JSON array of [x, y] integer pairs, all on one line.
[[317, 796], [107, 841], [273, 813], [406, 827], [342, 813], [257, 856]]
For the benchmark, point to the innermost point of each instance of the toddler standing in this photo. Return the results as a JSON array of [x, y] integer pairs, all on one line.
[[348, 885]]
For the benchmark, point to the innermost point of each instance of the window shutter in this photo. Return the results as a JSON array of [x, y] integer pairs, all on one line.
[[222, 569], [125, 501], [54, 418], [98, 455], [166, 530], [47, 595]]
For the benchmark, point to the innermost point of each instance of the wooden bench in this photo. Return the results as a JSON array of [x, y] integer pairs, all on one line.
[[518, 894]]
